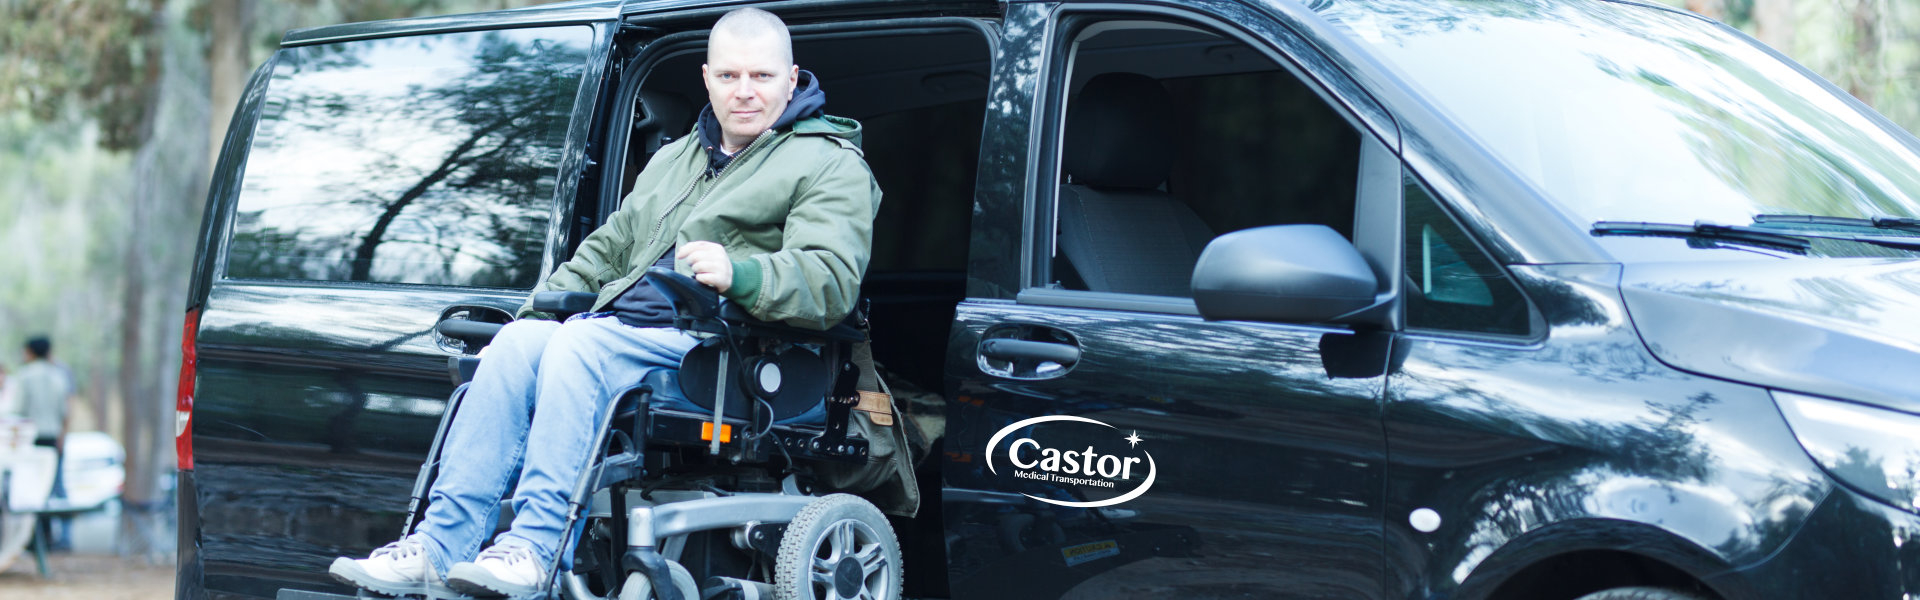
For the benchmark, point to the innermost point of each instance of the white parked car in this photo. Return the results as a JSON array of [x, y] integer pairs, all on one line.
[[94, 470]]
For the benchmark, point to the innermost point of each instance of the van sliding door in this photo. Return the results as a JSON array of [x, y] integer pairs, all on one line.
[[392, 183]]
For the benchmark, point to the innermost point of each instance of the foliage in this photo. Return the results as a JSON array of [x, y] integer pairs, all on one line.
[[1870, 48], [97, 56], [106, 140]]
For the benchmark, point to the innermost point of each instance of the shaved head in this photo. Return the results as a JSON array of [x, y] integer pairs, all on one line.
[[750, 75], [743, 24]]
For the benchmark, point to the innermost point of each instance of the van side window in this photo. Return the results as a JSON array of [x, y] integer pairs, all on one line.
[[424, 160], [1452, 284], [1174, 134]]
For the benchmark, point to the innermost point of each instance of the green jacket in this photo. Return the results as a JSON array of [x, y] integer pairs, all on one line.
[[794, 210]]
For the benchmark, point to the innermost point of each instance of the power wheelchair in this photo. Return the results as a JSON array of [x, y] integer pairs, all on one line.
[[721, 504]]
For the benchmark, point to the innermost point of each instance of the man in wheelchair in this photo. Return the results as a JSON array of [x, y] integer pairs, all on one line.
[[768, 204]]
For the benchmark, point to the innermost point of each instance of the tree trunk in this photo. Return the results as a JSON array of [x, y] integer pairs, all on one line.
[[138, 388], [135, 391], [230, 34], [1712, 9], [1863, 78], [1773, 24]]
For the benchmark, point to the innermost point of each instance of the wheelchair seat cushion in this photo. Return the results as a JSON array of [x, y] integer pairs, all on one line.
[[665, 384], [667, 394]]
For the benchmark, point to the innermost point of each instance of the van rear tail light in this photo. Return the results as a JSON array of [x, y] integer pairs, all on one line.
[[183, 399]]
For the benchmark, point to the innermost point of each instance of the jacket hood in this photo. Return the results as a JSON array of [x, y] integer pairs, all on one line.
[[1842, 328], [808, 100]]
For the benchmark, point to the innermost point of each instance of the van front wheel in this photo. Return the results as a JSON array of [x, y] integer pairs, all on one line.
[[1640, 593]]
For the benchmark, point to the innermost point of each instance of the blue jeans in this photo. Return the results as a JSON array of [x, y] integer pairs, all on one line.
[[532, 410]]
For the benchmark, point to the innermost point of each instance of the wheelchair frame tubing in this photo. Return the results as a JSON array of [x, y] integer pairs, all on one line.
[[429, 470], [590, 473]]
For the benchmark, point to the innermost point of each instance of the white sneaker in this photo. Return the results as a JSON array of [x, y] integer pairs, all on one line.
[[509, 570], [394, 569]]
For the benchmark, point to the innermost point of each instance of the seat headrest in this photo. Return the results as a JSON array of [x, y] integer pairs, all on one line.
[[1120, 132], [664, 113]]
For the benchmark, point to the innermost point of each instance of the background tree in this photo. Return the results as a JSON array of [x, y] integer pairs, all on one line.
[[109, 115]]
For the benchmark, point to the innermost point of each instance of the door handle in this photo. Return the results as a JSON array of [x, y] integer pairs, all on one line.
[[1011, 349], [1026, 352]]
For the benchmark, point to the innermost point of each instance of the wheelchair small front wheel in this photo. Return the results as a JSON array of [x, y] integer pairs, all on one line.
[[638, 587], [838, 548]]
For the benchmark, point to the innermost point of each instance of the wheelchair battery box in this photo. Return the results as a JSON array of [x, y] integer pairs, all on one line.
[[673, 428]]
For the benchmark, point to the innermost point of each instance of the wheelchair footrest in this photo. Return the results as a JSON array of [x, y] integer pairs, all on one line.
[[619, 467]]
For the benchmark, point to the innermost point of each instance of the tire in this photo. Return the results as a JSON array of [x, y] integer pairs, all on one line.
[[838, 548], [1640, 593], [638, 587]]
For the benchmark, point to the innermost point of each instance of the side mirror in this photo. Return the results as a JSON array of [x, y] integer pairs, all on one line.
[[1293, 273]]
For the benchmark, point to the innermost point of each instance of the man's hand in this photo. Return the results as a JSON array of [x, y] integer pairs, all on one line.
[[709, 263]]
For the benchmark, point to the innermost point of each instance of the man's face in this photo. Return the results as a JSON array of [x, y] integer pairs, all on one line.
[[749, 82]]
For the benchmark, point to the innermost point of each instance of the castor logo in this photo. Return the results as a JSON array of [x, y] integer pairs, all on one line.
[[1061, 450]]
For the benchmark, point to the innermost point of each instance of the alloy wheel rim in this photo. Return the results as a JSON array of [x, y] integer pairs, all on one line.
[[849, 563]]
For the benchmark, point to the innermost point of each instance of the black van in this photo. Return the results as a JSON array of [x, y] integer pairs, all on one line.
[[1356, 299]]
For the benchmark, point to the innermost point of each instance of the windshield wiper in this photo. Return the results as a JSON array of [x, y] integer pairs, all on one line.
[[1707, 232], [1909, 224]]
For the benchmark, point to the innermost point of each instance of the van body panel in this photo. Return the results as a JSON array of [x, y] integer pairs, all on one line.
[[308, 421], [225, 187], [1262, 436], [1505, 440], [1001, 194], [1255, 453], [1843, 519], [1842, 328]]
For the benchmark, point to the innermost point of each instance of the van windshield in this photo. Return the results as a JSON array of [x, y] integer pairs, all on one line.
[[1620, 112]]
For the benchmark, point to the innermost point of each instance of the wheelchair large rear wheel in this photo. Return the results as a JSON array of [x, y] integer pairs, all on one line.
[[838, 548]]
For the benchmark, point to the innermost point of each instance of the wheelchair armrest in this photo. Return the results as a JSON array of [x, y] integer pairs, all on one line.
[[564, 304], [694, 301], [472, 332], [690, 299], [843, 332]]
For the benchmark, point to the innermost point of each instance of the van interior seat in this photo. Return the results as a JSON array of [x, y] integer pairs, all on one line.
[[659, 118], [1119, 229], [665, 116]]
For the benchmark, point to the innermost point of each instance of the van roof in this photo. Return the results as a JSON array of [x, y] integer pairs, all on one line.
[[558, 13]]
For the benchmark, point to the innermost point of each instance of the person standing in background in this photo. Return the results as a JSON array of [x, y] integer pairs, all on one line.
[[43, 389]]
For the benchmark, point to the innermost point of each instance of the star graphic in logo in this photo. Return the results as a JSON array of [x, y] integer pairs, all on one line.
[[1132, 440]]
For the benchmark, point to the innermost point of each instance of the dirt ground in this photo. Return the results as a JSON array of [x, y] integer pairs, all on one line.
[[88, 576]]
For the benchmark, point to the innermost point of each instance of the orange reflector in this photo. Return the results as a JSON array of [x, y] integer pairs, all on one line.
[[706, 432]]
